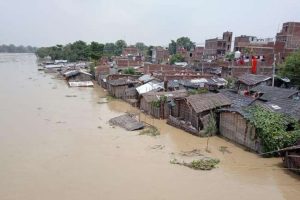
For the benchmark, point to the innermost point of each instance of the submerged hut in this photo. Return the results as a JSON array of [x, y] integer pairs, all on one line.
[[102, 81], [291, 158], [234, 124], [131, 96], [160, 104], [118, 87], [78, 78], [193, 112]]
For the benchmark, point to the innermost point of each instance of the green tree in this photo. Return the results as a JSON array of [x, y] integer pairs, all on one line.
[[141, 46], [69, 54], [130, 71], [42, 52], [120, 45], [109, 49], [81, 50], [291, 68], [229, 56], [185, 42], [176, 58], [96, 50], [275, 130], [172, 47]]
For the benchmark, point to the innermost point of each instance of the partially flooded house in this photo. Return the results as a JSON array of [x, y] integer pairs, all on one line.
[[193, 111], [102, 80], [131, 96], [53, 68], [160, 104], [234, 121], [78, 78], [291, 157], [117, 87], [234, 124]]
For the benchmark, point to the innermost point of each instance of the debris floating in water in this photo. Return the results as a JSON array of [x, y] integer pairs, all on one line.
[[126, 121], [158, 146], [151, 131], [71, 95], [201, 164], [194, 152]]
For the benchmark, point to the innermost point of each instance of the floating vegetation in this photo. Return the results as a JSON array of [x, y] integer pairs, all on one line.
[[110, 98], [158, 146], [151, 131], [194, 152], [201, 164]]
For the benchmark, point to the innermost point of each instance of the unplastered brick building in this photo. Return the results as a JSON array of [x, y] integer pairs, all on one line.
[[218, 47], [287, 40]]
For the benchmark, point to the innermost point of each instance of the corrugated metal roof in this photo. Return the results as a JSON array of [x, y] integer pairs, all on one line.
[[121, 81], [239, 102], [146, 78], [53, 66], [252, 79], [81, 84], [270, 93], [154, 96], [71, 73], [150, 86], [288, 107]]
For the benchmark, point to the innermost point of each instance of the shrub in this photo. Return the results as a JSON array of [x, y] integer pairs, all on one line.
[[275, 130]]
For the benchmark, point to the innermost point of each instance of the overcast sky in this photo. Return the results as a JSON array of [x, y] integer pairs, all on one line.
[[50, 22]]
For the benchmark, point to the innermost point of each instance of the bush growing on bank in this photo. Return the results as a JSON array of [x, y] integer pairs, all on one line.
[[275, 130]]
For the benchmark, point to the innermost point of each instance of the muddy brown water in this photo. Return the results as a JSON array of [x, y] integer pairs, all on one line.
[[55, 143]]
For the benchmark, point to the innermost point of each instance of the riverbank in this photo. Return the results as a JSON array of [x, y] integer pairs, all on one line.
[[51, 147]]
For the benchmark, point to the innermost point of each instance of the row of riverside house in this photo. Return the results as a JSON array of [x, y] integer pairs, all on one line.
[[187, 95], [187, 100]]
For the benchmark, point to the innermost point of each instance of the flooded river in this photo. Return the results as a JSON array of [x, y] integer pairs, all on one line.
[[56, 144]]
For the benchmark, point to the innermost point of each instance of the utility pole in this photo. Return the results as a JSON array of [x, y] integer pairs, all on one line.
[[202, 68], [273, 73]]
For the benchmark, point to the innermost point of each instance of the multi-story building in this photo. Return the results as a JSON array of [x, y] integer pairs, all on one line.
[[252, 46], [195, 55], [287, 40], [130, 51], [160, 55], [218, 47]]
